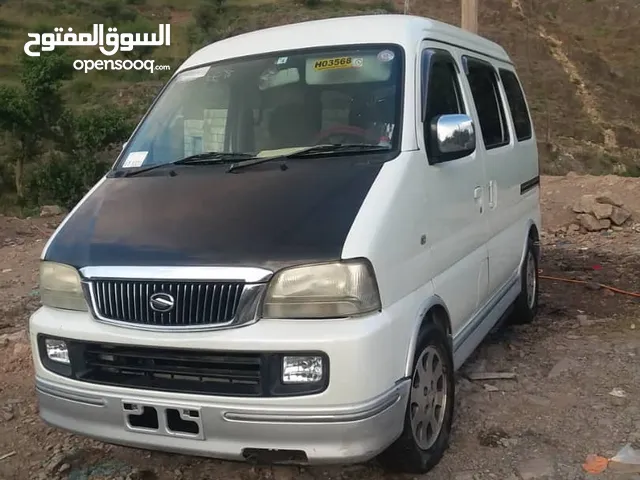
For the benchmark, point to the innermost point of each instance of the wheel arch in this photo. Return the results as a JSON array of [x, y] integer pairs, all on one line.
[[433, 311], [533, 235]]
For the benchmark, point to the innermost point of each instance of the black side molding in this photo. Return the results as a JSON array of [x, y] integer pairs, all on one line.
[[529, 184]]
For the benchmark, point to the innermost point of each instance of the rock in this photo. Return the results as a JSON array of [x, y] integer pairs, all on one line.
[[54, 463], [605, 224], [537, 400], [508, 442], [50, 211], [560, 367], [65, 467], [584, 321], [602, 210], [465, 476], [610, 199], [619, 215], [585, 204], [536, 468], [589, 222], [573, 228], [6, 413]]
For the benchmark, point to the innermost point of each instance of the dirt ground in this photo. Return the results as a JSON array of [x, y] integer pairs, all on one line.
[[542, 424]]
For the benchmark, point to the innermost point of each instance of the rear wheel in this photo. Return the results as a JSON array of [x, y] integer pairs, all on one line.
[[526, 305], [429, 414]]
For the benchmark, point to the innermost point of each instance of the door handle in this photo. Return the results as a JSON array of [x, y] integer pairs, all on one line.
[[477, 196], [492, 194]]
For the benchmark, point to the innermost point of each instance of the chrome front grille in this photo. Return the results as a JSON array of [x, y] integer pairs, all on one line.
[[195, 303]]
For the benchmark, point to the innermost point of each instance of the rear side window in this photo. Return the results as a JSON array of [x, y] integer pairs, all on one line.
[[486, 97], [517, 105]]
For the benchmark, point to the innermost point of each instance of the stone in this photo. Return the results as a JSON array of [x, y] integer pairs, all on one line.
[[589, 222], [465, 476], [51, 211], [54, 463], [619, 215], [536, 468], [537, 400], [605, 224], [602, 210], [610, 199], [584, 321], [573, 228], [559, 368], [585, 204]]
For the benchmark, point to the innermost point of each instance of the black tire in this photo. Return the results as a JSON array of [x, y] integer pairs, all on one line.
[[525, 308], [405, 455]]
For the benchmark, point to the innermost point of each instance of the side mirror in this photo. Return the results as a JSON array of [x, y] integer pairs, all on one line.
[[451, 137]]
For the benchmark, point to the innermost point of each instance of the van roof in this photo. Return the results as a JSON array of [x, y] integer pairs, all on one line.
[[405, 30]]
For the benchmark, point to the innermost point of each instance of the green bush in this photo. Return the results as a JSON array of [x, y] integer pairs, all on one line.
[[62, 180]]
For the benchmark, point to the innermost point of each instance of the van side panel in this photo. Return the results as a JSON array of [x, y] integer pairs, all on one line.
[[512, 176]]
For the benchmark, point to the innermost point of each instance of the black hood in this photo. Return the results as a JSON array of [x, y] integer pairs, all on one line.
[[260, 216]]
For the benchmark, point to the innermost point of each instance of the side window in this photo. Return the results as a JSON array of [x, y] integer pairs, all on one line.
[[443, 91], [441, 94], [486, 97], [517, 105]]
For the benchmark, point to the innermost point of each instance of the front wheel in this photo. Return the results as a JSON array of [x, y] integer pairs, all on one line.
[[429, 414]]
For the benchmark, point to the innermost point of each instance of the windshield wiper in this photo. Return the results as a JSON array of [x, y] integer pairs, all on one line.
[[316, 149], [197, 159]]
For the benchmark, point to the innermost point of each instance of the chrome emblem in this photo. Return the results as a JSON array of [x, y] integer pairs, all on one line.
[[161, 302]]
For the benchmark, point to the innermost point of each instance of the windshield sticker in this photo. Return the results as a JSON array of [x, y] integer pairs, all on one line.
[[334, 63], [358, 62], [135, 159], [281, 60], [223, 74], [386, 56]]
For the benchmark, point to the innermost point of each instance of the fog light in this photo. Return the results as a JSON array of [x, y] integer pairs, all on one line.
[[301, 369], [57, 350]]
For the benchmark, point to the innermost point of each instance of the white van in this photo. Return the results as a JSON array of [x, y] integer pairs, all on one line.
[[310, 230]]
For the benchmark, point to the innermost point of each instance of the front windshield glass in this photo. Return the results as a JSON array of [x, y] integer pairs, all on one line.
[[275, 104]]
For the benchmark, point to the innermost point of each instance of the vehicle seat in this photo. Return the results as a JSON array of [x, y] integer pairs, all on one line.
[[290, 126]]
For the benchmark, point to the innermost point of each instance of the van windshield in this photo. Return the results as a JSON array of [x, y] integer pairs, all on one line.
[[273, 104]]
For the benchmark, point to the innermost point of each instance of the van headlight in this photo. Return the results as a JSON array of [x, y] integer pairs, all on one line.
[[327, 290], [60, 287]]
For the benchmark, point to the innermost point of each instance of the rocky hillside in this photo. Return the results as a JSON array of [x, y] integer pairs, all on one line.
[[577, 58]]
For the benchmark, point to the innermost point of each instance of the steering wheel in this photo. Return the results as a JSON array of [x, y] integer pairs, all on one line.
[[347, 134]]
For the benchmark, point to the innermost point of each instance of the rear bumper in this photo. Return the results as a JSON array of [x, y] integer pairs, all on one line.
[[228, 429]]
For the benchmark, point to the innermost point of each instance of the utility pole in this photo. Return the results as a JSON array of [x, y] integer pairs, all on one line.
[[469, 10]]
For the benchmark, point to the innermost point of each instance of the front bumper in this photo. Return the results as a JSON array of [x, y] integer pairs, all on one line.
[[230, 430], [358, 415]]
